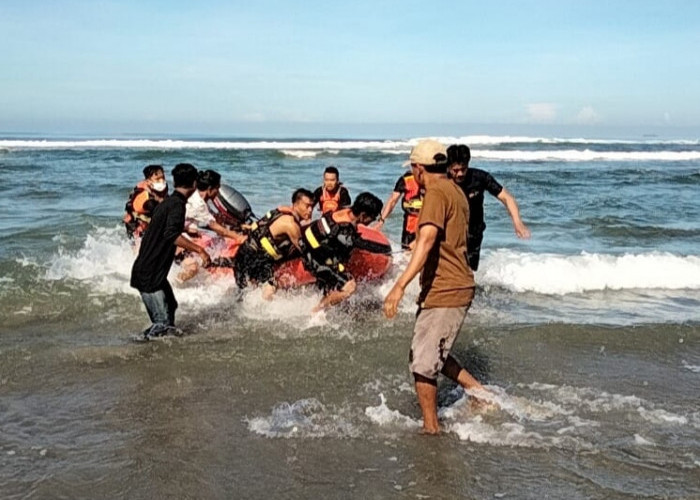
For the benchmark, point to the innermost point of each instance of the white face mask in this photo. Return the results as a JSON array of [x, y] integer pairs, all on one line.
[[159, 187]]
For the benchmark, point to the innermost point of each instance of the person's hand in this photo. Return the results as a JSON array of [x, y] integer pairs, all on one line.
[[522, 231], [392, 301], [206, 260]]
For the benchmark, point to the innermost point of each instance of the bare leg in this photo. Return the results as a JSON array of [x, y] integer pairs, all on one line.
[[426, 390], [336, 296], [453, 370]]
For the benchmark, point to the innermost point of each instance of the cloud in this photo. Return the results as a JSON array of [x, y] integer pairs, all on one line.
[[587, 116], [542, 112]]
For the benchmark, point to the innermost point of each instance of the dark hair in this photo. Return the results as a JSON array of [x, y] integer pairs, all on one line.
[[300, 193], [150, 170], [208, 179], [458, 153], [440, 165], [332, 170], [367, 203], [184, 175]]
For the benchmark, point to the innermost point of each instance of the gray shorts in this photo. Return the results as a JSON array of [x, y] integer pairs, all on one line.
[[435, 331]]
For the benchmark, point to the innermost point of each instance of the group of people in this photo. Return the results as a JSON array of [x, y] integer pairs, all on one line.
[[170, 225], [442, 199]]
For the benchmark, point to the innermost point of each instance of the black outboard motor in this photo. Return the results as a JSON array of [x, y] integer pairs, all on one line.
[[232, 207]]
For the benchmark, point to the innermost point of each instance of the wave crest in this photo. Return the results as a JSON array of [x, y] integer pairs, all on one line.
[[563, 274]]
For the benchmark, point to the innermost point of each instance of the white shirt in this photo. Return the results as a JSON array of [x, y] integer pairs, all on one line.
[[197, 212]]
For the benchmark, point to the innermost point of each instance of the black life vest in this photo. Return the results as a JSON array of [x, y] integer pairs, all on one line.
[[260, 238], [329, 240]]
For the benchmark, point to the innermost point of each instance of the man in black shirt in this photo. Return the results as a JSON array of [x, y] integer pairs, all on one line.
[[474, 182], [149, 274]]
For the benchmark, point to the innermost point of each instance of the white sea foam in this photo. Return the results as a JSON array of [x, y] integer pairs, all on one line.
[[104, 264], [493, 140], [692, 368], [299, 153], [306, 418], [562, 274], [642, 441], [383, 415], [575, 155], [662, 417], [167, 144]]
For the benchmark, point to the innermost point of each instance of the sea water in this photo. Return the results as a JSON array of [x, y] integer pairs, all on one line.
[[587, 334]]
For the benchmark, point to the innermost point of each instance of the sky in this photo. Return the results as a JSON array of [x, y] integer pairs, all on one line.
[[229, 66]]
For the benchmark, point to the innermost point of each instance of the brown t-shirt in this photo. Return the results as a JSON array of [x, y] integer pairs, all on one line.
[[446, 279]]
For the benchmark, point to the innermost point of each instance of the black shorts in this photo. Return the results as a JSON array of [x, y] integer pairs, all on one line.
[[252, 265], [328, 280]]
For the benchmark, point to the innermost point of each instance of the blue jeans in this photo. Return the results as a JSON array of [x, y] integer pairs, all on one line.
[[161, 306]]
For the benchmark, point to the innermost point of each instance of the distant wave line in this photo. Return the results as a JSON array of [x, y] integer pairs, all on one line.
[[309, 149], [387, 145]]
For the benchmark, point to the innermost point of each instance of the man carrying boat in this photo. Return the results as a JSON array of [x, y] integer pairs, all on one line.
[[327, 243], [272, 239]]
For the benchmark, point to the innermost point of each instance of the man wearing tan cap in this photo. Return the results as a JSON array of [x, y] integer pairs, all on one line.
[[447, 282]]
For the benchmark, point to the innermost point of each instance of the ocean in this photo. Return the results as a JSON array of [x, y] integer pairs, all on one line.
[[588, 333]]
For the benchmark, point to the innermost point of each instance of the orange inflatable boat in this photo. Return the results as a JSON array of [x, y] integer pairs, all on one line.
[[370, 259]]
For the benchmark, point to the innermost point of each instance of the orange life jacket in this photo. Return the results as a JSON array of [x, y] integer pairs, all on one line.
[[412, 203], [136, 217], [413, 197], [328, 202]]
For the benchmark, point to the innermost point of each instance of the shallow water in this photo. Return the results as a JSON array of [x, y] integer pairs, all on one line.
[[588, 334]]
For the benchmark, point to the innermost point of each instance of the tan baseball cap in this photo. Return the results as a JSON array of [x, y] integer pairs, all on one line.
[[425, 151]]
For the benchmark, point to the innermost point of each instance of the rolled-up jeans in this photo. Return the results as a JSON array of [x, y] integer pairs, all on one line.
[[161, 306]]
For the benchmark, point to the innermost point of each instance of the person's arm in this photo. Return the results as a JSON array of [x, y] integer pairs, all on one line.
[[388, 208], [508, 200], [287, 225], [174, 225], [226, 232], [187, 244], [427, 235]]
